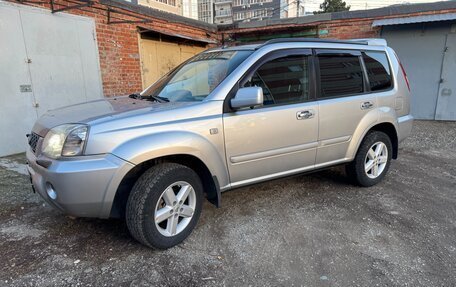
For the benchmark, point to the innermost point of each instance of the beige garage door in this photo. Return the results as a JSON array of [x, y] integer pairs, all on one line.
[[158, 57]]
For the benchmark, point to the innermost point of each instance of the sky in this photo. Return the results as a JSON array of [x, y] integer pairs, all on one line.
[[314, 5]]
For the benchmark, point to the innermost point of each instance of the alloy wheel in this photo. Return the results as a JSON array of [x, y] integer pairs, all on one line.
[[376, 160], [175, 208]]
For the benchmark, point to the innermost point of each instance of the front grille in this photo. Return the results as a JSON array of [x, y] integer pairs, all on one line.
[[33, 141]]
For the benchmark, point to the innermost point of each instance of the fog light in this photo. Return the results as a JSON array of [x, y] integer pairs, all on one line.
[[50, 191]]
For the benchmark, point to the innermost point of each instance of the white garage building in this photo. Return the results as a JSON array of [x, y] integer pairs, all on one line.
[[46, 61]]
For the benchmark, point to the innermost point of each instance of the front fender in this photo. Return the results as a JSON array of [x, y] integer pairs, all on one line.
[[147, 147], [371, 119]]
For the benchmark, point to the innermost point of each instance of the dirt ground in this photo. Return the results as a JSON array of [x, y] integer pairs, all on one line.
[[308, 230]]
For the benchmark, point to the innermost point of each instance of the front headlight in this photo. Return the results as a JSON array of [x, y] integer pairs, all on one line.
[[65, 140]]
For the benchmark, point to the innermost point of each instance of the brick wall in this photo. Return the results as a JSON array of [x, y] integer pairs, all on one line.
[[349, 29], [118, 44], [338, 29]]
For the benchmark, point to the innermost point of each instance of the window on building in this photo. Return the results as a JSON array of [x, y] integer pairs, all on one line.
[[340, 75], [378, 70], [169, 2], [284, 80]]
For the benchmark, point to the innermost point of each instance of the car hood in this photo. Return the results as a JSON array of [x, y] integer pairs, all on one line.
[[100, 110]]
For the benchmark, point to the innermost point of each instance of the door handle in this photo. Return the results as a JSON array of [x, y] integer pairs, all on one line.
[[366, 105], [304, 115]]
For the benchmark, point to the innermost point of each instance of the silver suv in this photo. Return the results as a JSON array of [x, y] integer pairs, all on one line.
[[226, 118]]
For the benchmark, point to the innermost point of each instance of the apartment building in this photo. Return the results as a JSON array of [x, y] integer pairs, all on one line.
[[293, 8], [256, 10], [223, 13], [171, 6], [190, 9], [206, 11]]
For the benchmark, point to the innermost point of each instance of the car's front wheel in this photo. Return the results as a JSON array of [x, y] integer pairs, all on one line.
[[372, 160], [164, 205]]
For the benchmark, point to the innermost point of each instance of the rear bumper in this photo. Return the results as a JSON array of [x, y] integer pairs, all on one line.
[[84, 186], [405, 124]]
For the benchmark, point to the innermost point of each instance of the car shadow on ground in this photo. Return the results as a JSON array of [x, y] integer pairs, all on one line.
[[108, 233]]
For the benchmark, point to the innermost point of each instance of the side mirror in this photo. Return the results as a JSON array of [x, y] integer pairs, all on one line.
[[247, 97]]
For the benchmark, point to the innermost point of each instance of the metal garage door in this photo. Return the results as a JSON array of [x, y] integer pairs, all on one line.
[[46, 61], [421, 48], [446, 101], [171, 55]]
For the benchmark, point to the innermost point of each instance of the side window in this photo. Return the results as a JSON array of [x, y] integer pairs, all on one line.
[[378, 70], [284, 80], [340, 75]]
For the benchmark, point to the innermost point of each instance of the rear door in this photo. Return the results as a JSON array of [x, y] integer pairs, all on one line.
[[343, 100], [281, 136]]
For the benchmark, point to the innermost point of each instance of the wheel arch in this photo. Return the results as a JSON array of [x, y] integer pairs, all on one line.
[[390, 130], [210, 182], [184, 147]]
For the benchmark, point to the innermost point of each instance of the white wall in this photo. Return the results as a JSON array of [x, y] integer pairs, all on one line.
[[56, 55]]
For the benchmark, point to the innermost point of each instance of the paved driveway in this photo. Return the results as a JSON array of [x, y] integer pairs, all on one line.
[[310, 230]]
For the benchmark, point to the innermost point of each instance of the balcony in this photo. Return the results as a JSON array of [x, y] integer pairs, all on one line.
[[223, 15], [223, 1]]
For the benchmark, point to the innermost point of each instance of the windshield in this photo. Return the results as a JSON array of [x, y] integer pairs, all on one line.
[[195, 79]]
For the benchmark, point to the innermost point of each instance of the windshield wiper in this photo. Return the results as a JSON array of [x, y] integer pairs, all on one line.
[[150, 97], [135, 96], [156, 98]]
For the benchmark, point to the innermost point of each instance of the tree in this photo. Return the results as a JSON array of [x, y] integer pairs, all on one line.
[[329, 6]]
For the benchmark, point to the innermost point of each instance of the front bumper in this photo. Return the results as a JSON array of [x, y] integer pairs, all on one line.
[[84, 186], [405, 124]]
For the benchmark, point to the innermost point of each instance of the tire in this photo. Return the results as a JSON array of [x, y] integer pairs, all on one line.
[[151, 199], [358, 170]]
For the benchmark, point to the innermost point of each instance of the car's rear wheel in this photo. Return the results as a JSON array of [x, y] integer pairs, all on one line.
[[372, 160], [164, 205]]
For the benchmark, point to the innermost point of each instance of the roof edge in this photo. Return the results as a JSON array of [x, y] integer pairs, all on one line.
[[162, 15]]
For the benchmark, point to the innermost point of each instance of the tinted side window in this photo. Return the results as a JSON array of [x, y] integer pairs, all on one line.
[[378, 70], [340, 74], [284, 80]]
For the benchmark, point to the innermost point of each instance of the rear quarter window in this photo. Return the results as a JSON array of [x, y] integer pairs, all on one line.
[[378, 70]]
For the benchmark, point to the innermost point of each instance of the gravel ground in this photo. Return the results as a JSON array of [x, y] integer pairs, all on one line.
[[308, 230]]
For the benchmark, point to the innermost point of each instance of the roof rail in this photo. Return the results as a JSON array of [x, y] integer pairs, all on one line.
[[370, 41], [367, 41], [319, 40]]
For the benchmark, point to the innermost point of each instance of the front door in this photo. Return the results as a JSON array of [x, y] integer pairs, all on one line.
[[280, 137]]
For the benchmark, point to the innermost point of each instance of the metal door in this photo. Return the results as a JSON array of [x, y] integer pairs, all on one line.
[[17, 113], [47, 61], [158, 58], [64, 59], [446, 101], [420, 48]]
